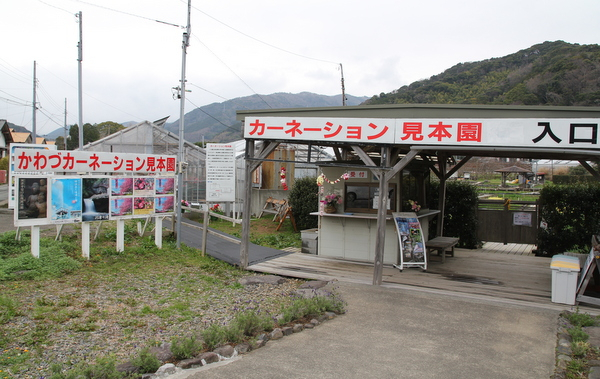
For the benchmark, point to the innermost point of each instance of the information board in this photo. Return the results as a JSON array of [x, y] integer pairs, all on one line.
[[410, 239], [220, 172]]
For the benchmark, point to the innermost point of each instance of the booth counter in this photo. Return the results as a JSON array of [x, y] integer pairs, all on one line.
[[353, 236]]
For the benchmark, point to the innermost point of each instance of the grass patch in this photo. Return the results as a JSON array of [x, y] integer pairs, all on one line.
[[61, 298]]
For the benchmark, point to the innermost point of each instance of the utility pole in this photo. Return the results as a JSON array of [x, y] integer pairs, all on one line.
[[181, 155], [33, 123], [80, 85], [65, 141], [343, 88]]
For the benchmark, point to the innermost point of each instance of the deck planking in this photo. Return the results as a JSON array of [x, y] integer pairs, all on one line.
[[500, 273]]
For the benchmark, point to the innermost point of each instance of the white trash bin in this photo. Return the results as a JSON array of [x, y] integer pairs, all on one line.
[[565, 270]]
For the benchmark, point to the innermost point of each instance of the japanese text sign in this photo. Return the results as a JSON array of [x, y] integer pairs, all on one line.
[[28, 160], [563, 133], [220, 172]]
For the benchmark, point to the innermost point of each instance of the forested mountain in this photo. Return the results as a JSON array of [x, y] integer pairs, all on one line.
[[551, 73], [216, 122]]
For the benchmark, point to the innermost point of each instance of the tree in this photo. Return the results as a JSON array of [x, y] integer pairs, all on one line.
[[90, 134], [73, 138], [60, 143], [108, 127]]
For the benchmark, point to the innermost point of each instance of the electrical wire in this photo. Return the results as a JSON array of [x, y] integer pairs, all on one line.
[[128, 14], [230, 69], [260, 41], [54, 6], [211, 116]]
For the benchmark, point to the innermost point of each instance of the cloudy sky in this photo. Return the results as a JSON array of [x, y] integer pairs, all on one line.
[[132, 49]]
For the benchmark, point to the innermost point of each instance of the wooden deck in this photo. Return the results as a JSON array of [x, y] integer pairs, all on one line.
[[511, 248], [501, 271]]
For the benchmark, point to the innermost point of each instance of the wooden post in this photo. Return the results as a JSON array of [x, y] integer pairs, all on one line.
[[35, 241], [85, 240], [205, 231], [381, 221], [120, 235], [247, 205], [442, 193], [158, 221]]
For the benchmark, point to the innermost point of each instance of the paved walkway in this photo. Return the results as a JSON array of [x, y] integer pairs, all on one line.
[[393, 333]]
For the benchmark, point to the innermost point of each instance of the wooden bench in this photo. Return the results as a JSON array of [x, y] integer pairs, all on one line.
[[442, 245]]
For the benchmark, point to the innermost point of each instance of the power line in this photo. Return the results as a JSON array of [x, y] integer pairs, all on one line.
[[54, 6], [260, 41], [230, 69], [130, 14], [211, 116]]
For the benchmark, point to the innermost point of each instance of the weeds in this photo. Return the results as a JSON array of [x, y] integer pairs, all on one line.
[[146, 361], [184, 348], [8, 309]]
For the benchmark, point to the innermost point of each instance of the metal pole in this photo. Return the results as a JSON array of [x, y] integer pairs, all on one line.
[[79, 75], [180, 187], [33, 123], [65, 141], [343, 87]]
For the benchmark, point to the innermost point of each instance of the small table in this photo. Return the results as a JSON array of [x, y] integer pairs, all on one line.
[[441, 244]]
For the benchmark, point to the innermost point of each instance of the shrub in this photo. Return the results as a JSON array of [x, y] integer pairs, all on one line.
[[214, 336], [304, 199], [250, 323], [184, 348], [580, 319], [104, 368], [572, 216], [146, 361], [578, 335], [460, 216]]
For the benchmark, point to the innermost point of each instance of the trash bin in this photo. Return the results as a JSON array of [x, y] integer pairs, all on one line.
[[309, 241], [565, 270]]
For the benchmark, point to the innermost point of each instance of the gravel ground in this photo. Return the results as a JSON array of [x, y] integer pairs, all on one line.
[[94, 313]]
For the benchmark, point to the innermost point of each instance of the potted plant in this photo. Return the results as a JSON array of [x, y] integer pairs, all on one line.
[[330, 201]]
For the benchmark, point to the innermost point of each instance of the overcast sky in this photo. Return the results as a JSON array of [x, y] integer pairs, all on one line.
[[240, 47]]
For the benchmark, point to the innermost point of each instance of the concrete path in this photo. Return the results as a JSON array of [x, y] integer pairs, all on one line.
[[391, 333]]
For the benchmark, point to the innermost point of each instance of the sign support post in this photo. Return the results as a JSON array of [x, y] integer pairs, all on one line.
[[85, 239], [35, 241]]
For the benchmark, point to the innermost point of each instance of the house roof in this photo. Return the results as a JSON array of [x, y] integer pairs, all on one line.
[[513, 169], [20, 137]]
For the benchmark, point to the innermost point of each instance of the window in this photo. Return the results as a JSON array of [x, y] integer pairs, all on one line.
[[360, 197]]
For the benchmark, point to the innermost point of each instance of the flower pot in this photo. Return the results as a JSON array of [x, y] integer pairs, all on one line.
[[329, 209]]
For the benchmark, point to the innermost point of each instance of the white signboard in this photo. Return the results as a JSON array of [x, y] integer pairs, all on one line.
[[29, 160], [529, 132], [522, 218], [220, 172]]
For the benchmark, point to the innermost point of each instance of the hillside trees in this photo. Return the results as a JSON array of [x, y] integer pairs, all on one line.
[[552, 73]]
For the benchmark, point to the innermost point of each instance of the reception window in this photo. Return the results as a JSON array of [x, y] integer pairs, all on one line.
[[364, 197]]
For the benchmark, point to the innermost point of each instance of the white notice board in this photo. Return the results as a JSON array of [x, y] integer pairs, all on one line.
[[411, 241], [220, 172]]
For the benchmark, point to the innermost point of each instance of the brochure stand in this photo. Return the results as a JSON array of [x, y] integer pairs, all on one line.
[[586, 273], [410, 239]]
